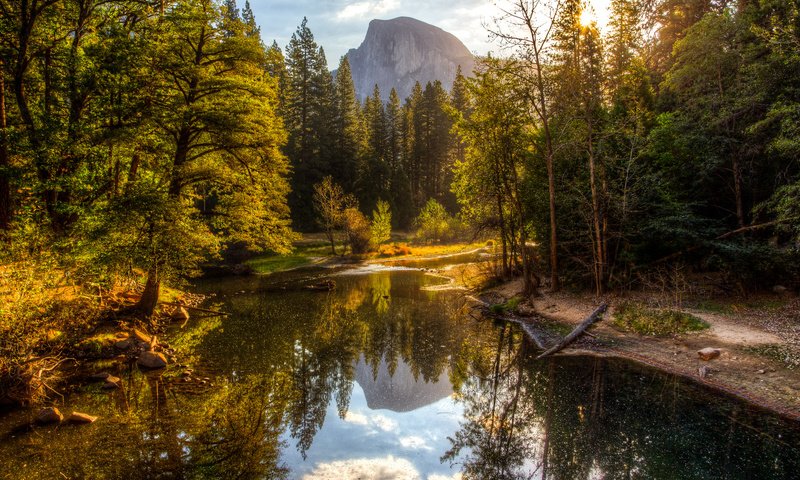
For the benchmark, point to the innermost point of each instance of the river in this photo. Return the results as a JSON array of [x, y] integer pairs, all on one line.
[[389, 377]]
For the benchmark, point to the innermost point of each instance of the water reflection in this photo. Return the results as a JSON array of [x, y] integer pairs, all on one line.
[[380, 377]]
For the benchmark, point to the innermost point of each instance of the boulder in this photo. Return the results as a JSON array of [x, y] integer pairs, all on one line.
[[111, 382], [779, 289], [49, 415], [96, 377], [81, 418], [708, 353], [180, 313], [141, 337], [150, 359], [124, 344]]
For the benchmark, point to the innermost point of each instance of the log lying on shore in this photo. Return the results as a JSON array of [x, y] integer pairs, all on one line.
[[580, 329]]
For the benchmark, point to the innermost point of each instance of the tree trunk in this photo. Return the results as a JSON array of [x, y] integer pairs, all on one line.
[[599, 264], [737, 189], [5, 175], [152, 290]]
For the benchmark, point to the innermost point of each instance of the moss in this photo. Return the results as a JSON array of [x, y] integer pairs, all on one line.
[[508, 306], [635, 317]]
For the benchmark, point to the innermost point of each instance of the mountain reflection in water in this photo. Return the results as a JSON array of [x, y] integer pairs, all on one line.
[[381, 379]]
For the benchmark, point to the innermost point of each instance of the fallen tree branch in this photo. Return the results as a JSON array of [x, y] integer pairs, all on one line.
[[526, 326], [197, 309], [591, 319]]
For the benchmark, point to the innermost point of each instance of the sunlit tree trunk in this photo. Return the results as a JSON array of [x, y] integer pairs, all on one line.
[[5, 175]]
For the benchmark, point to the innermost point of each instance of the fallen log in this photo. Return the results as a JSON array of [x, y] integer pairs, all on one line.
[[573, 335], [197, 309]]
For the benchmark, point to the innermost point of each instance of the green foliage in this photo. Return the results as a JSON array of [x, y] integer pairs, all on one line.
[[635, 317], [381, 226], [433, 222]]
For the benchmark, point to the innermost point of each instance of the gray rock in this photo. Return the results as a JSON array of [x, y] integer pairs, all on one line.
[[153, 360], [399, 52], [96, 377], [49, 415], [124, 344], [779, 289]]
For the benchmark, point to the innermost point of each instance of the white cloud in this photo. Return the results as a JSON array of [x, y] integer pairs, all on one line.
[[414, 442], [365, 469], [356, 418], [455, 476], [384, 423], [366, 10]]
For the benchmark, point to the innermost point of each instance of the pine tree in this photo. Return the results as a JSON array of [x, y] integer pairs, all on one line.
[[307, 104], [347, 128]]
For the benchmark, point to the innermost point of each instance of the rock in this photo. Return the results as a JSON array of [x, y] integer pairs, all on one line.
[[49, 415], [703, 371], [96, 377], [122, 335], [779, 289], [399, 52], [180, 313], [708, 353], [124, 344], [761, 372], [150, 359], [141, 336], [111, 382], [186, 373], [81, 418]]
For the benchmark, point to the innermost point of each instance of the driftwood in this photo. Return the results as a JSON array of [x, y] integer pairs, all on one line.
[[197, 309], [594, 317]]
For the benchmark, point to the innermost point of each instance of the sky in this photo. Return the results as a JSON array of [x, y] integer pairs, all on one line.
[[339, 25]]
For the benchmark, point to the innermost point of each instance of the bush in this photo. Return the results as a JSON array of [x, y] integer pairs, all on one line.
[[357, 229], [394, 250], [635, 317]]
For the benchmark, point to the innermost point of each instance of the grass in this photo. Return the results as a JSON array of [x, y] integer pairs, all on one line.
[[780, 353], [276, 263], [635, 317], [312, 246], [714, 306]]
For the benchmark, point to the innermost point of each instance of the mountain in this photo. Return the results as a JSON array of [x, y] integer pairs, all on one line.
[[399, 52], [399, 392]]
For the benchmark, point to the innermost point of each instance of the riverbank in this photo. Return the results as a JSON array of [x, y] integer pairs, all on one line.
[[758, 340]]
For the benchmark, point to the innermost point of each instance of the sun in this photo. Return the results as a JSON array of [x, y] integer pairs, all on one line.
[[588, 16]]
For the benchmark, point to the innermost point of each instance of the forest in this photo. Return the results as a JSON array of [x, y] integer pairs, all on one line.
[[142, 140]]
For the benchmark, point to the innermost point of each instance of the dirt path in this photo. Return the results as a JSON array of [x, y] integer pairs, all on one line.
[[748, 366]]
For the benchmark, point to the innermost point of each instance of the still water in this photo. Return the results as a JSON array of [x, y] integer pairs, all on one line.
[[388, 378]]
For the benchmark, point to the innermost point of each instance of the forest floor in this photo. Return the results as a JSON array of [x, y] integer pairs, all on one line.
[[759, 340]]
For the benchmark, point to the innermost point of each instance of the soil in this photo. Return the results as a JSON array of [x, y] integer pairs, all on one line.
[[760, 346]]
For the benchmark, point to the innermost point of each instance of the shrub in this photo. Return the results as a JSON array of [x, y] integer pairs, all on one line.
[[381, 227], [433, 222], [394, 250], [635, 317], [357, 230]]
